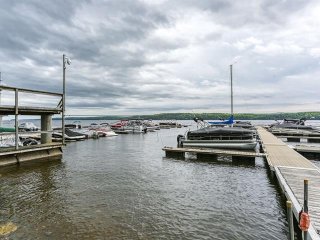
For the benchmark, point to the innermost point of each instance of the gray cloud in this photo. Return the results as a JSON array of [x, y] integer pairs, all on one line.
[[147, 56]]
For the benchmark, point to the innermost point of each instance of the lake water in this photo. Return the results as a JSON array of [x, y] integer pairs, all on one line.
[[124, 188]]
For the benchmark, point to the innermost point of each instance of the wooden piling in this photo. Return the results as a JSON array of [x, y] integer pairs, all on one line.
[[305, 204], [290, 220]]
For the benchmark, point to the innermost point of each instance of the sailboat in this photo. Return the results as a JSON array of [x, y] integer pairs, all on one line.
[[220, 134]]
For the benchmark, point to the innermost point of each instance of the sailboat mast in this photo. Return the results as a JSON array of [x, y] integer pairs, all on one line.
[[231, 90]]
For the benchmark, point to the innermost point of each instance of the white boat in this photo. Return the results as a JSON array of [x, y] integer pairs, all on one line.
[[8, 141], [151, 126], [103, 130], [129, 126], [28, 126]]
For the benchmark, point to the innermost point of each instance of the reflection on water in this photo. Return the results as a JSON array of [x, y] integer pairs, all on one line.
[[123, 188]]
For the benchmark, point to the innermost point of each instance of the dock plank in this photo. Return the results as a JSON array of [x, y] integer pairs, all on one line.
[[292, 169]]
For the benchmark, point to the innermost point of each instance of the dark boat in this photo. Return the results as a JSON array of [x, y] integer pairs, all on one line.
[[224, 134], [292, 124], [220, 137]]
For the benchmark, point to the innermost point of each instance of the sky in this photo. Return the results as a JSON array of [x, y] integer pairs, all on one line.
[[154, 56]]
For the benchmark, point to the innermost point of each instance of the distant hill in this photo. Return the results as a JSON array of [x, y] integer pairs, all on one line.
[[207, 116]]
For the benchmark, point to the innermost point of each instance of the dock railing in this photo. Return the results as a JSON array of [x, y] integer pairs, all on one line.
[[17, 110]]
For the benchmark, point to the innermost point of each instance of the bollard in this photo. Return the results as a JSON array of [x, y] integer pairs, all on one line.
[[290, 220]]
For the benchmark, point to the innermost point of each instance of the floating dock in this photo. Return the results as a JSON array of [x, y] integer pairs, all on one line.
[[291, 169], [295, 135], [202, 152]]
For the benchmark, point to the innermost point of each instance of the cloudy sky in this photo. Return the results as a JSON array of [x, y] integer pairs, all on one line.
[[152, 56]]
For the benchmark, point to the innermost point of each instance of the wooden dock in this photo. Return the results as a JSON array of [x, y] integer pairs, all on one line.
[[295, 135], [291, 169], [179, 152]]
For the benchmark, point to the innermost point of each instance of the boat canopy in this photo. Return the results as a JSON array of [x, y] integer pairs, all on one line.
[[229, 121]]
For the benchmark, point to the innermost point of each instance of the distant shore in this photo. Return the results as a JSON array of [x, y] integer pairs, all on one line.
[[204, 116]]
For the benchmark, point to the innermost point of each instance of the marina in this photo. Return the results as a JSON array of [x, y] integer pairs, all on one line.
[[125, 187], [164, 120]]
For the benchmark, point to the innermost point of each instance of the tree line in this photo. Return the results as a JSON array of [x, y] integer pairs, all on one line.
[[207, 116]]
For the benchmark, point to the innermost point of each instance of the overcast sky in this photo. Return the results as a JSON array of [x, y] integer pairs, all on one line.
[[152, 56]]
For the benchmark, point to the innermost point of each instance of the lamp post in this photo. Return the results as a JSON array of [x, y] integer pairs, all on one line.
[[231, 90], [0, 99], [64, 61]]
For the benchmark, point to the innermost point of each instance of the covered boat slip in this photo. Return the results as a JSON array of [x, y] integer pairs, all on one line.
[[291, 169]]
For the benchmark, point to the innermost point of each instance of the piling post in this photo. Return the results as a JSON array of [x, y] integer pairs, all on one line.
[[290, 220], [46, 125], [305, 204]]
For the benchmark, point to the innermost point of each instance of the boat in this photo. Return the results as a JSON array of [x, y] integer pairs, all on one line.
[[129, 126], [70, 135], [169, 124], [298, 124], [103, 129], [74, 125], [135, 126], [219, 137], [28, 127], [223, 134], [151, 126], [119, 125]]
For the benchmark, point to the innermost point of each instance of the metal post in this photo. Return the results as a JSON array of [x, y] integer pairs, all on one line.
[[63, 96], [0, 99], [16, 119], [231, 90], [290, 220], [305, 204]]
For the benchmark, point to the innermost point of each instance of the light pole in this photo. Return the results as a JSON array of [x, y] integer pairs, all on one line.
[[64, 61], [0, 99], [231, 90]]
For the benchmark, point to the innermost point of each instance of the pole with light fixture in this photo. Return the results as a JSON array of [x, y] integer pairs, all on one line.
[[231, 90], [64, 61], [0, 99]]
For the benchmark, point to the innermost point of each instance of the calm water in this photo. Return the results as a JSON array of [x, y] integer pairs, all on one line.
[[124, 188]]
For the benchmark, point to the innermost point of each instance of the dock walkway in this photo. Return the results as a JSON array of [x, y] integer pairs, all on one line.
[[291, 169]]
